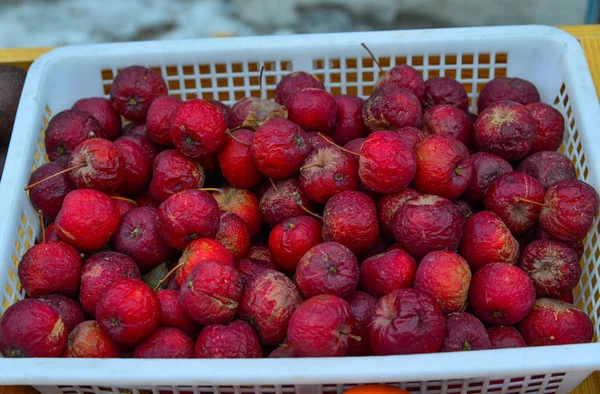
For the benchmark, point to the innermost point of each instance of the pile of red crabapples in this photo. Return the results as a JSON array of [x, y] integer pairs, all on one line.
[[306, 225]]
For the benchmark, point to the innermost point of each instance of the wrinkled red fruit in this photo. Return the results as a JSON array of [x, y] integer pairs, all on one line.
[[349, 124], [31, 328], [233, 340], [390, 107], [516, 198], [51, 267], [486, 167], [243, 203], [198, 129], [87, 340], [350, 218], [267, 303], [48, 196], [504, 337], [233, 234], [552, 266], [211, 293], [386, 272], [411, 135], [445, 276], [328, 171], [569, 210], [406, 321], [444, 166], [200, 251], [101, 165], [321, 327], [386, 164], [312, 109], [445, 90], [293, 82], [292, 238], [279, 148], [328, 268], [548, 167], [388, 205], [236, 161], [512, 89], [158, 122], [137, 167], [501, 294], [281, 202], [87, 219], [405, 77], [165, 342], [465, 332], [173, 173], [486, 240], [550, 127], [506, 129], [186, 216], [361, 305], [262, 253], [69, 310], [554, 322], [138, 237], [251, 112], [134, 89], [427, 223], [66, 130], [223, 108], [248, 267], [99, 272], [284, 350], [449, 120], [173, 314], [128, 311], [102, 110]]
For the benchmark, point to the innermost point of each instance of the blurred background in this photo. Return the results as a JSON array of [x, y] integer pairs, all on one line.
[[35, 23]]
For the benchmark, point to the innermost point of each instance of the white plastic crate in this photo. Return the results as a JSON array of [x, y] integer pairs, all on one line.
[[228, 69]]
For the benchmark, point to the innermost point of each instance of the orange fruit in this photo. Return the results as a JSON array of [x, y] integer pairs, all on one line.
[[375, 389]]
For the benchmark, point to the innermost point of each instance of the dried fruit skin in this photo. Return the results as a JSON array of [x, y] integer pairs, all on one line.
[[445, 90], [69, 310], [137, 166], [233, 340], [428, 223], [503, 337], [548, 167], [87, 220], [211, 293], [103, 165], [200, 251], [102, 110], [406, 321], [198, 129], [349, 124], [320, 326], [165, 342], [312, 109], [569, 211], [486, 167], [445, 276], [410, 135], [158, 122], [388, 205], [134, 89], [66, 130], [512, 89], [173, 314], [233, 234], [223, 108], [550, 127], [87, 340], [280, 203], [361, 306], [235, 160], [251, 112], [293, 82], [465, 333], [405, 77], [173, 173], [292, 238], [243, 203], [247, 267], [31, 328], [501, 294], [49, 195], [284, 351], [386, 163], [350, 218], [128, 311], [554, 322], [328, 268], [390, 107], [448, 120], [267, 303], [486, 240], [552, 266], [386, 272]]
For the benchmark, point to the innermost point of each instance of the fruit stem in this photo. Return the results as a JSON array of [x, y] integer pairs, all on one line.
[[211, 189], [551, 338], [310, 166], [54, 175], [372, 56], [355, 337], [43, 226], [337, 146], [163, 280], [236, 139], [260, 83], [124, 199], [302, 207], [518, 199], [273, 184]]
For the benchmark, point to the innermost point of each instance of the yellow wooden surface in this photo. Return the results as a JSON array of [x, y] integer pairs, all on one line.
[[588, 35]]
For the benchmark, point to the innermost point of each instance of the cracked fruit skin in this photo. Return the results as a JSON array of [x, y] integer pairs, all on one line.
[[465, 333], [268, 301], [501, 294], [232, 340], [128, 311], [406, 321], [102, 110], [211, 293], [31, 328]]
